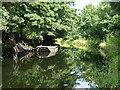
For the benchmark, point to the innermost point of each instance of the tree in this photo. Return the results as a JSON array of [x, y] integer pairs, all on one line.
[[97, 22], [39, 21]]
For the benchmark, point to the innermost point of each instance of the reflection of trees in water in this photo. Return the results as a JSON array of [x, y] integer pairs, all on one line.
[[94, 68], [55, 72], [52, 72], [19, 57]]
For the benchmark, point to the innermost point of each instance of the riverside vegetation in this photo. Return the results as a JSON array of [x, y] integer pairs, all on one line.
[[95, 33]]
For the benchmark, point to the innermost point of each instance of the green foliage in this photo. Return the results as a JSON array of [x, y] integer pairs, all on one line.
[[97, 25], [97, 22], [3, 18], [37, 19], [112, 45], [93, 42]]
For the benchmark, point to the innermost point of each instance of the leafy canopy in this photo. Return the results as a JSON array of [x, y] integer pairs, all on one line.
[[36, 19]]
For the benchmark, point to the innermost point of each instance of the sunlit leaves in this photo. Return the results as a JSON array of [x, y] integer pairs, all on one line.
[[34, 23], [46, 18], [3, 18], [51, 33], [18, 19], [32, 16], [97, 22], [116, 18]]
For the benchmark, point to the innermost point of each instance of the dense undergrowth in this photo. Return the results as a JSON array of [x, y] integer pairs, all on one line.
[[108, 50], [95, 31]]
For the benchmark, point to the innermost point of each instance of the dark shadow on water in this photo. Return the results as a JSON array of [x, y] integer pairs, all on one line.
[[58, 71], [36, 72]]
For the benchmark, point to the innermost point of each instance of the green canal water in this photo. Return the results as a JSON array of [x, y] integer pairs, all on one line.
[[69, 68]]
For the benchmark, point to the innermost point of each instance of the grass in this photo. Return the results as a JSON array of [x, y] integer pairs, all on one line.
[[83, 44], [79, 43]]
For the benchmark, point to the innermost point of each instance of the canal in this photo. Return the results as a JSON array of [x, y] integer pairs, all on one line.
[[69, 68]]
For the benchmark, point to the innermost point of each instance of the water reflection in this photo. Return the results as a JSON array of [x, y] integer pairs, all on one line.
[[68, 69], [80, 82]]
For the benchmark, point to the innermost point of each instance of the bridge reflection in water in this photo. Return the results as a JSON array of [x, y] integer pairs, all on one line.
[[64, 70], [40, 52]]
